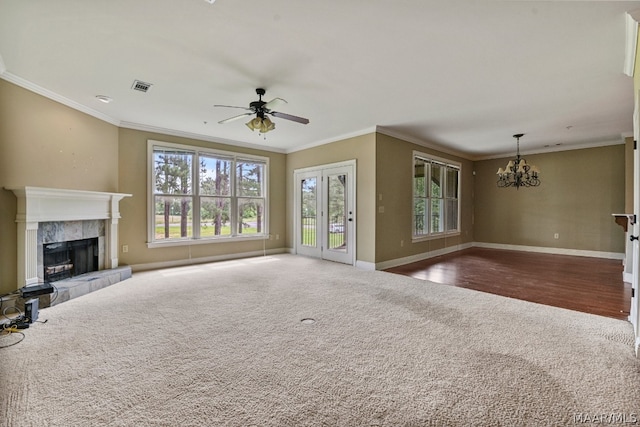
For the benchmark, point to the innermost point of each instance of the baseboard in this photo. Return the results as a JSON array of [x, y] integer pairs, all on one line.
[[202, 260], [420, 257], [365, 265], [626, 277], [556, 251]]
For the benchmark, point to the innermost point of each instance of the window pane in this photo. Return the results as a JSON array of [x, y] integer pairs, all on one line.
[[308, 212], [421, 213], [172, 172], [419, 180], [172, 217], [215, 216], [215, 176], [452, 183], [250, 216], [249, 178], [452, 214], [436, 216], [437, 173]]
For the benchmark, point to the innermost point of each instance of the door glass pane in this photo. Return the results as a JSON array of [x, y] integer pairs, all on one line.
[[309, 200], [337, 218]]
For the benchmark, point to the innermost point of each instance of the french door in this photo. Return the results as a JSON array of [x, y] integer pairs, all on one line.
[[325, 220]]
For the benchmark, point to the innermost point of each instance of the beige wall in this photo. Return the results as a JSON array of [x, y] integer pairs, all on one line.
[[628, 176], [363, 150], [394, 182], [580, 190], [133, 225], [46, 144]]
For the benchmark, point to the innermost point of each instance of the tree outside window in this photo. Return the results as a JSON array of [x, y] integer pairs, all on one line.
[[435, 197], [227, 200]]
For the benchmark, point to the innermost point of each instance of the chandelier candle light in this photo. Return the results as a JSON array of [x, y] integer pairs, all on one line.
[[518, 173]]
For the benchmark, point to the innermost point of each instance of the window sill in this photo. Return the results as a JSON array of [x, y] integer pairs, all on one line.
[[191, 242]]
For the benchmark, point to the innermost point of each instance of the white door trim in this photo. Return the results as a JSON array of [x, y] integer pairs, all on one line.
[[350, 257]]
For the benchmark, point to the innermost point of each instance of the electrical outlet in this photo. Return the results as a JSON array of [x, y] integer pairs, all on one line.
[[125, 248], [277, 237], [556, 236], [401, 243]]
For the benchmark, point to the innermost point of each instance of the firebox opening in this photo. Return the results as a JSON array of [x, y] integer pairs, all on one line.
[[72, 258]]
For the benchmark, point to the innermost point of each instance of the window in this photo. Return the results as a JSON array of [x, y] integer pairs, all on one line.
[[435, 196], [205, 195]]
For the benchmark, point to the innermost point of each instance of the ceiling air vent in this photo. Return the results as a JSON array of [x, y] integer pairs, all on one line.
[[141, 86]]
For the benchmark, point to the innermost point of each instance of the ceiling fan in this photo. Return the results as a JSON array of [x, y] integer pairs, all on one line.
[[262, 110]]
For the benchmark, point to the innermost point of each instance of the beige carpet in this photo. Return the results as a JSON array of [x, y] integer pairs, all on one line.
[[223, 344]]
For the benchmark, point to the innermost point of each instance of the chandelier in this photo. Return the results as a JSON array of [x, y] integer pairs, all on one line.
[[518, 173]]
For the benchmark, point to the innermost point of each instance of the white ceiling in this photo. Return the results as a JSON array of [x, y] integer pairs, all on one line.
[[463, 75]]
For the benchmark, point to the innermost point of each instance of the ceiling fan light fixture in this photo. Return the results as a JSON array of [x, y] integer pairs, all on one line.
[[255, 123], [267, 125]]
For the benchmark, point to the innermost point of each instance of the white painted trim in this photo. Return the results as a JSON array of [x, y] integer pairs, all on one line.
[[631, 41], [555, 149], [365, 265], [352, 201], [198, 137], [450, 249], [3, 68], [421, 256], [556, 251], [355, 134], [39, 204], [19, 81], [627, 277], [203, 260], [413, 140]]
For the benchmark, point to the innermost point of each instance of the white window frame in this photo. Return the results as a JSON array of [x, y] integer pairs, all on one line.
[[152, 146], [428, 159]]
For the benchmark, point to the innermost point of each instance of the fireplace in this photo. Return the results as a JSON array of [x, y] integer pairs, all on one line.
[[48, 216], [68, 259]]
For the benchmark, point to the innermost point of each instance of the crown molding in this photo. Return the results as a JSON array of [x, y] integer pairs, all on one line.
[[555, 149], [197, 136], [342, 137], [26, 84], [417, 141]]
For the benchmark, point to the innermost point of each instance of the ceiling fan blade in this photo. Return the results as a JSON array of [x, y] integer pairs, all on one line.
[[275, 102], [230, 119], [289, 117], [233, 106]]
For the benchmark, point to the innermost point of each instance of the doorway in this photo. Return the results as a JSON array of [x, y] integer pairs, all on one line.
[[325, 217]]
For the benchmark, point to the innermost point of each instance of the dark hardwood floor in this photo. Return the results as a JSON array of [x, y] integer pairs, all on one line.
[[590, 285]]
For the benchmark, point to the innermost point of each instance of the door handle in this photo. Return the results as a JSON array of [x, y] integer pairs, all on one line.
[[632, 238]]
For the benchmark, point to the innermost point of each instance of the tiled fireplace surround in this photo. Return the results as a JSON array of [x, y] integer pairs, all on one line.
[[47, 215]]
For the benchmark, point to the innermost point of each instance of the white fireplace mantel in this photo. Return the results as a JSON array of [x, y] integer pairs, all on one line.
[[39, 204]]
